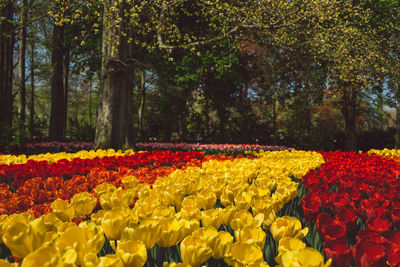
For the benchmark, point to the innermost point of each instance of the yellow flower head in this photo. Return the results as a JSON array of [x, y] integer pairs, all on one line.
[[83, 204], [287, 226], [110, 260], [206, 199], [307, 257], [211, 218], [195, 251], [147, 231], [63, 210], [243, 254], [113, 224], [132, 253], [22, 237], [130, 182], [171, 232], [251, 235], [222, 245], [243, 218]]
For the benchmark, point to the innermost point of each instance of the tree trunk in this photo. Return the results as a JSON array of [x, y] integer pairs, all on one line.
[[32, 100], [349, 112], [21, 67], [57, 120], [142, 98], [7, 40], [114, 121], [66, 62], [397, 133]]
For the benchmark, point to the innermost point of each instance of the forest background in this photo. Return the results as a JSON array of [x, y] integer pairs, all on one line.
[[309, 74]]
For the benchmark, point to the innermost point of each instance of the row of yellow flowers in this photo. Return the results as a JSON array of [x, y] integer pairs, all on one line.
[[224, 210], [54, 157], [385, 152]]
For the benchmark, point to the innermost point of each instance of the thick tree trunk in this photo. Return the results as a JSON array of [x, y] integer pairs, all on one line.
[[32, 98], [57, 121], [114, 121], [66, 62], [7, 39], [349, 112], [397, 133], [21, 67], [142, 99]]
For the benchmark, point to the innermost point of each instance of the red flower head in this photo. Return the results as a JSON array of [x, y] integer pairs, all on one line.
[[349, 217], [379, 225], [338, 252]]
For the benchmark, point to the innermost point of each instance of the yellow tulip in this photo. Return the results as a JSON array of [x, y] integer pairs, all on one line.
[[188, 227], [265, 206], [161, 212], [130, 182], [83, 239], [287, 226], [83, 204], [104, 188], [113, 224], [62, 210], [190, 201], [243, 201], [147, 231], [23, 238], [195, 251], [208, 234], [171, 232], [45, 256], [211, 218], [190, 213], [4, 263], [3, 222], [90, 260], [243, 254], [227, 214], [132, 253], [307, 257], [243, 218], [122, 198], [287, 244], [143, 190], [251, 235], [110, 260], [222, 245], [206, 199], [290, 243], [96, 217]]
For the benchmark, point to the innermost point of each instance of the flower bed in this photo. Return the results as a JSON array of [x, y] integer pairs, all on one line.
[[226, 212], [210, 148], [285, 208], [354, 199], [17, 174]]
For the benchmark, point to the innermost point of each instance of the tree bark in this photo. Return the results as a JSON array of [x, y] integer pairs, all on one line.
[[57, 120], [66, 62], [349, 112], [397, 133], [32, 98], [114, 121], [142, 99], [7, 39], [21, 67]]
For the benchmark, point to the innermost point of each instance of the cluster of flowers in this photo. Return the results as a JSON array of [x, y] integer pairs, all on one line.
[[354, 199], [19, 173], [54, 157], [201, 147], [36, 194], [385, 152], [224, 211]]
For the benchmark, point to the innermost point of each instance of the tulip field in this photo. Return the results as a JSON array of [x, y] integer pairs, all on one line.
[[196, 205]]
